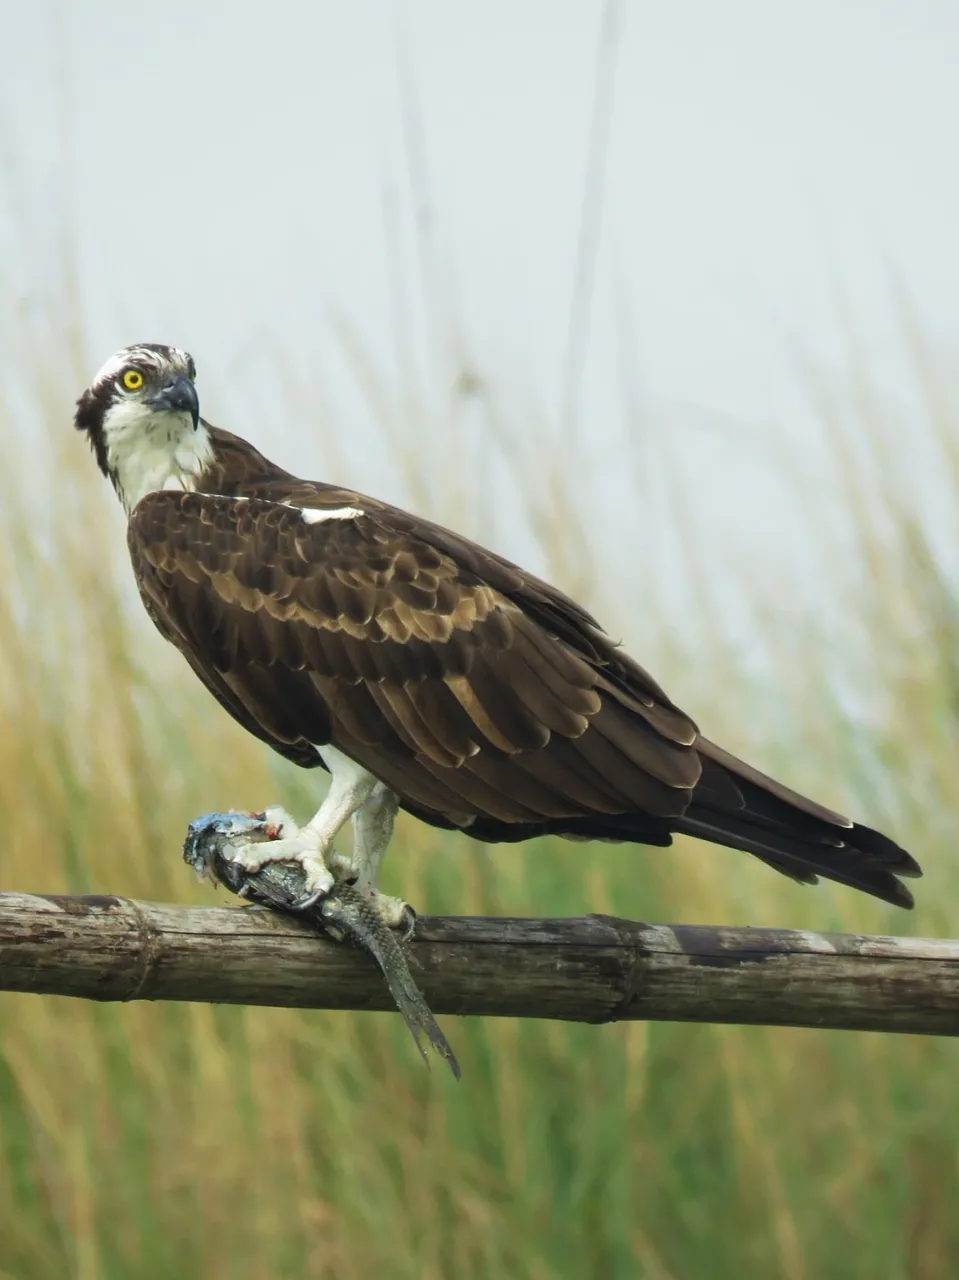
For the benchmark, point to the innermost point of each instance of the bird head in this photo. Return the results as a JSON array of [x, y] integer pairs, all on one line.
[[141, 414]]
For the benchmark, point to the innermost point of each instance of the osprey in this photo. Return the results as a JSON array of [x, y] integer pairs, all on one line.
[[419, 669]]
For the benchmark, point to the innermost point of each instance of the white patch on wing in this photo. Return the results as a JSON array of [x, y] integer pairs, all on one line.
[[314, 515]]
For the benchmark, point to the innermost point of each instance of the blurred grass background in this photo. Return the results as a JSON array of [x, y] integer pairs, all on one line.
[[156, 1141]]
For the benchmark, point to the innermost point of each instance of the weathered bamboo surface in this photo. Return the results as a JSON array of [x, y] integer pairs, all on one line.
[[587, 969]]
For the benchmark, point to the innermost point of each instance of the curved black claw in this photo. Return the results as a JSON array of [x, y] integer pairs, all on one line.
[[308, 901]]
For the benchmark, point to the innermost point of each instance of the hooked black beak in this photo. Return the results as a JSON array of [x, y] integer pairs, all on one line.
[[178, 396]]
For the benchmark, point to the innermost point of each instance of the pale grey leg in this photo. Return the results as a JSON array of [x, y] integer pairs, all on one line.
[[372, 829]]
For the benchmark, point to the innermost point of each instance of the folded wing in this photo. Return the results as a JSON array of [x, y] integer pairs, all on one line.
[[483, 696]]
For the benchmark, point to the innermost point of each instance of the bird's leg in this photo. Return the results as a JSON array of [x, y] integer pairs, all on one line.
[[354, 793], [311, 845], [372, 829]]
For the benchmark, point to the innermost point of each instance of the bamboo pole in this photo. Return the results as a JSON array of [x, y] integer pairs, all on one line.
[[586, 969]]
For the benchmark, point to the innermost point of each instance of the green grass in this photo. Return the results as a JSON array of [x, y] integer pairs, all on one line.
[[157, 1141]]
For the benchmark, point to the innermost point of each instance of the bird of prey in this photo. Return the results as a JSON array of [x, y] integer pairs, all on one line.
[[422, 671]]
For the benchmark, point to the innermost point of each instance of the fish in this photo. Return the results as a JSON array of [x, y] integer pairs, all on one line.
[[344, 913]]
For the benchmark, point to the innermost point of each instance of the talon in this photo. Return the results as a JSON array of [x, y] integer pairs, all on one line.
[[342, 868], [253, 841], [248, 856], [317, 882], [408, 922], [319, 878], [311, 899], [394, 912]]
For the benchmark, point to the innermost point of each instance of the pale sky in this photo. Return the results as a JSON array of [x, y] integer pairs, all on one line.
[[236, 174]]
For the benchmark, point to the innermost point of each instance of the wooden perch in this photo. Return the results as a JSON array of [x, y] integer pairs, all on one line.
[[588, 969]]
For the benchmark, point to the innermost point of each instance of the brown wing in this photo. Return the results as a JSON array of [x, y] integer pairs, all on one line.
[[486, 698], [476, 691]]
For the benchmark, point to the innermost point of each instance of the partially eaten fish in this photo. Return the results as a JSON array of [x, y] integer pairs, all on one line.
[[344, 912]]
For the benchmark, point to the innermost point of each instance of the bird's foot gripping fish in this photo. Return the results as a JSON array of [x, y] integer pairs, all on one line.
[[343, 912]]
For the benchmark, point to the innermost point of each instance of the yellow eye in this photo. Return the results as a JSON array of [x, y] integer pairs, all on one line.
[[133, 379]]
